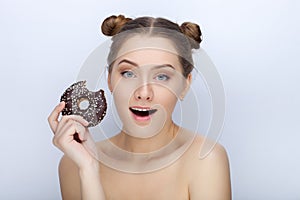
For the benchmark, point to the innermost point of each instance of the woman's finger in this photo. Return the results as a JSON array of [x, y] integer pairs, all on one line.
[[53, 117], [81, 131], [70, 118], [69, 129], [76, 118]]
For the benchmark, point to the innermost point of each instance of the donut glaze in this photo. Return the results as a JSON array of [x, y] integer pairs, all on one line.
[[76, 94]]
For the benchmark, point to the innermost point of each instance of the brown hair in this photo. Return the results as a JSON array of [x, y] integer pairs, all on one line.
[[188, 39]]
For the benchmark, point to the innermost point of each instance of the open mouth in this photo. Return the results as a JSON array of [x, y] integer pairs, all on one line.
[[142, 112]]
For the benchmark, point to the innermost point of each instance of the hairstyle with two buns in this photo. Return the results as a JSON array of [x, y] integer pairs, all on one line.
[[189, 36]]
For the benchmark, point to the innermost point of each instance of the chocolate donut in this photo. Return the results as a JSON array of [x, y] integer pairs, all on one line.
[[78, 93]]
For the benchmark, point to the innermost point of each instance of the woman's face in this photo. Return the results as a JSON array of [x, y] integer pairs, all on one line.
[[146, 84]]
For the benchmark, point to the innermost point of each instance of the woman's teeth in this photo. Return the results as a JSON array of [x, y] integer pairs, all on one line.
[[140, 109]]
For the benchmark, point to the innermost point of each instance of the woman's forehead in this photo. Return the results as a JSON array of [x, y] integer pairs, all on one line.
[[140, 43], [145, 57]]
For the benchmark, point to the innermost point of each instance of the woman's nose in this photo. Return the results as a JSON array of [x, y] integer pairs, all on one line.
[[144, 93]]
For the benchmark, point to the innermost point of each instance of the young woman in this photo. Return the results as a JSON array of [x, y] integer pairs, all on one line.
[[146, 83]]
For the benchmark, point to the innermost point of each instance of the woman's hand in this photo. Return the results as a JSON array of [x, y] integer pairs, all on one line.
[[84, 154]]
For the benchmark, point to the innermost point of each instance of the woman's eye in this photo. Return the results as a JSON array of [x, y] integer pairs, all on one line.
[[162, 77], [128, 74]]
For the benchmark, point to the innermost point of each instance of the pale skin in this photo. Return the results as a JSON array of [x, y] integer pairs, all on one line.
[[84, 177]]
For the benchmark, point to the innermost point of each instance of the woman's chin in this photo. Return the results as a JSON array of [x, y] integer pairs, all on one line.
[[143, 127]]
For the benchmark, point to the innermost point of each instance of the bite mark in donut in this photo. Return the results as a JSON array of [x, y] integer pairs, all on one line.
[[95, 110]]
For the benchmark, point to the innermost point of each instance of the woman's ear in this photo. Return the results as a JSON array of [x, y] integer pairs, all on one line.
[[187, 86], [109, 82]]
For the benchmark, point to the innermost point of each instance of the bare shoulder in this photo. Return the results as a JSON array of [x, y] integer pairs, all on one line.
[[69, 179], [216, 154], [209, 176]]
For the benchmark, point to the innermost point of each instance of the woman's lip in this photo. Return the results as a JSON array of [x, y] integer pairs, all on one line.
[[141, 119], [140, 107]]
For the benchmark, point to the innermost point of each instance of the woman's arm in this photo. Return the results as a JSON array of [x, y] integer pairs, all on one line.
[[77, 185], [211, 177], [91, 186], [79, 167]]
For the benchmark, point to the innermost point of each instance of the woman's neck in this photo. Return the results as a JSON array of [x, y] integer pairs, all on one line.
[[146, 145]]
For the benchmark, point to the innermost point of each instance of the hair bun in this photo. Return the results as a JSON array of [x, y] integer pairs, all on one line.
[[113, 24], [193, 31]]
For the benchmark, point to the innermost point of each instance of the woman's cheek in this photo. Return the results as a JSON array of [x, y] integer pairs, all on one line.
[[123, 92], [125, 89]]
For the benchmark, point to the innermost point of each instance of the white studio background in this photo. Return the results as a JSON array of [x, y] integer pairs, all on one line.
[[254, 44]]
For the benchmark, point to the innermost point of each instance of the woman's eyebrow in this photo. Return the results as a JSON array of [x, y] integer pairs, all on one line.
[[128, 61], [164, 65], [155, 67]]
